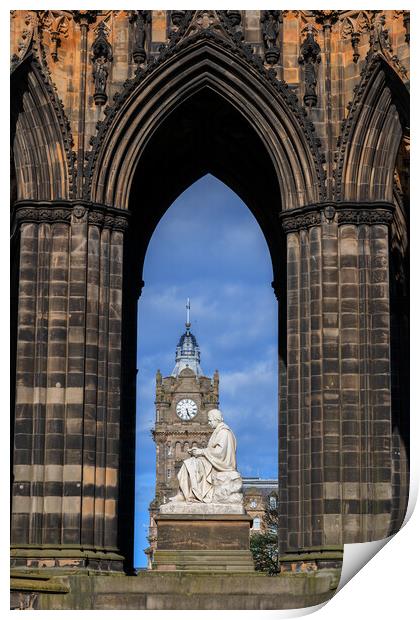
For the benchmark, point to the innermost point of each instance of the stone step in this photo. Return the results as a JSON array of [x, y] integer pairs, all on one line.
[[209, 560]]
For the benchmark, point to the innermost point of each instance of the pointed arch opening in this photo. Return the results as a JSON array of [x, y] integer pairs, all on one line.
[[207, 246], [205, 134]]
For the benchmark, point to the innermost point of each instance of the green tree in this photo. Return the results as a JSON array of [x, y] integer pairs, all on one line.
[[264, 545]]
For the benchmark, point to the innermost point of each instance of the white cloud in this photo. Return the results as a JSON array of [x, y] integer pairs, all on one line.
[[261, 373]]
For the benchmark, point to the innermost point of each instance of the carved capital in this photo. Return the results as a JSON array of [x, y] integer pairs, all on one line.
[[341, 213], [48, 214], [365, 216], [298, 221], [69, 212], [96, 218]]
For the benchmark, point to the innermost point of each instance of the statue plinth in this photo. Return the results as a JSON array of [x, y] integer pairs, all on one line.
[[203, 541]]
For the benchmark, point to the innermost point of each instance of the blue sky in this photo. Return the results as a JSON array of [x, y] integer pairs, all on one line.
[[209, 247]]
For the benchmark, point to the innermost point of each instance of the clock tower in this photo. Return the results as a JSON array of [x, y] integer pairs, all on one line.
[[182, 402]]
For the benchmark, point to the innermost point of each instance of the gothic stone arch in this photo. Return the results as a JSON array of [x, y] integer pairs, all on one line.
[[205, 104]]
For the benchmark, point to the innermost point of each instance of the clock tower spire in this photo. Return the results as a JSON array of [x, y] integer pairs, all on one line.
[[182, 402], [187, 351], [188, 324]]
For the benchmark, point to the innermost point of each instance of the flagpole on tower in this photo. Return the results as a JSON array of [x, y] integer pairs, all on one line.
[[188, 324]]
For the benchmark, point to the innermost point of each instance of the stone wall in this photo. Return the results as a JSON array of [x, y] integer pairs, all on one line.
[[305, 115], [154, 590]]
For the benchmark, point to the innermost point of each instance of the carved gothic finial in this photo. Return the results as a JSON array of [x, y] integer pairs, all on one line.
[[270, 30], [380, 42], [57, 24], [101, 57], [140, 21], [379, 36], [310, 56], [355, 40], [352, 28]]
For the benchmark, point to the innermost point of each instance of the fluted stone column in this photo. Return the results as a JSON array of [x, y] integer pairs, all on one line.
[[66, 442], [339, 452]]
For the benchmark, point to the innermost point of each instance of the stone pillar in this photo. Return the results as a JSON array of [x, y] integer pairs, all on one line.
[[339, 431], [66, 442]]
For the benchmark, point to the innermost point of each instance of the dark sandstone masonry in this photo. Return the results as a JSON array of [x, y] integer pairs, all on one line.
[[321, 160]]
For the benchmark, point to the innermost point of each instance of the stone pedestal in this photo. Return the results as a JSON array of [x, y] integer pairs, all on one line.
[[203, 542]]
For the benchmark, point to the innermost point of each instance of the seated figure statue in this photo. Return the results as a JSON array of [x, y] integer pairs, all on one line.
[[209, 475]]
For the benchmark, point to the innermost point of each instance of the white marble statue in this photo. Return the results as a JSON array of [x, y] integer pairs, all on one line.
[[208, 480]]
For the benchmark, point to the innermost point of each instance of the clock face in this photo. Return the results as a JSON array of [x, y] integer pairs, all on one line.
[[186, 409]]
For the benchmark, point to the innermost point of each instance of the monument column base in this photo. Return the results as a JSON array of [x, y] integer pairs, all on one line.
[[65, 558], [203, 542]]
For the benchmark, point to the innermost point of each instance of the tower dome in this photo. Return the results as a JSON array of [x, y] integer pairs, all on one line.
[[187, 351]]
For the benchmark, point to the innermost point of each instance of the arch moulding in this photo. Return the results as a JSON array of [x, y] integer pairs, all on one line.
[[201, 62]]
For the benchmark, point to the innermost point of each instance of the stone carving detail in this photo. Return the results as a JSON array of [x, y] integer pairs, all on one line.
[[189, 27], [355, 40], [327, 18], [41, 69], [57, 24], [352, 27], [308, 217], [373, 59], [379, 38], [329, 213], [380, 42], [96, 218], [365, 216], [300, 221], [270, 21], [101, 57], [48, 215], [44, 212], [406, 22], [310, 57], [120, 223], [232, 22], [85, 17], [209, 481], [25, 40], [140, 21], [177, 18], [205, 20], [79, 212]]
